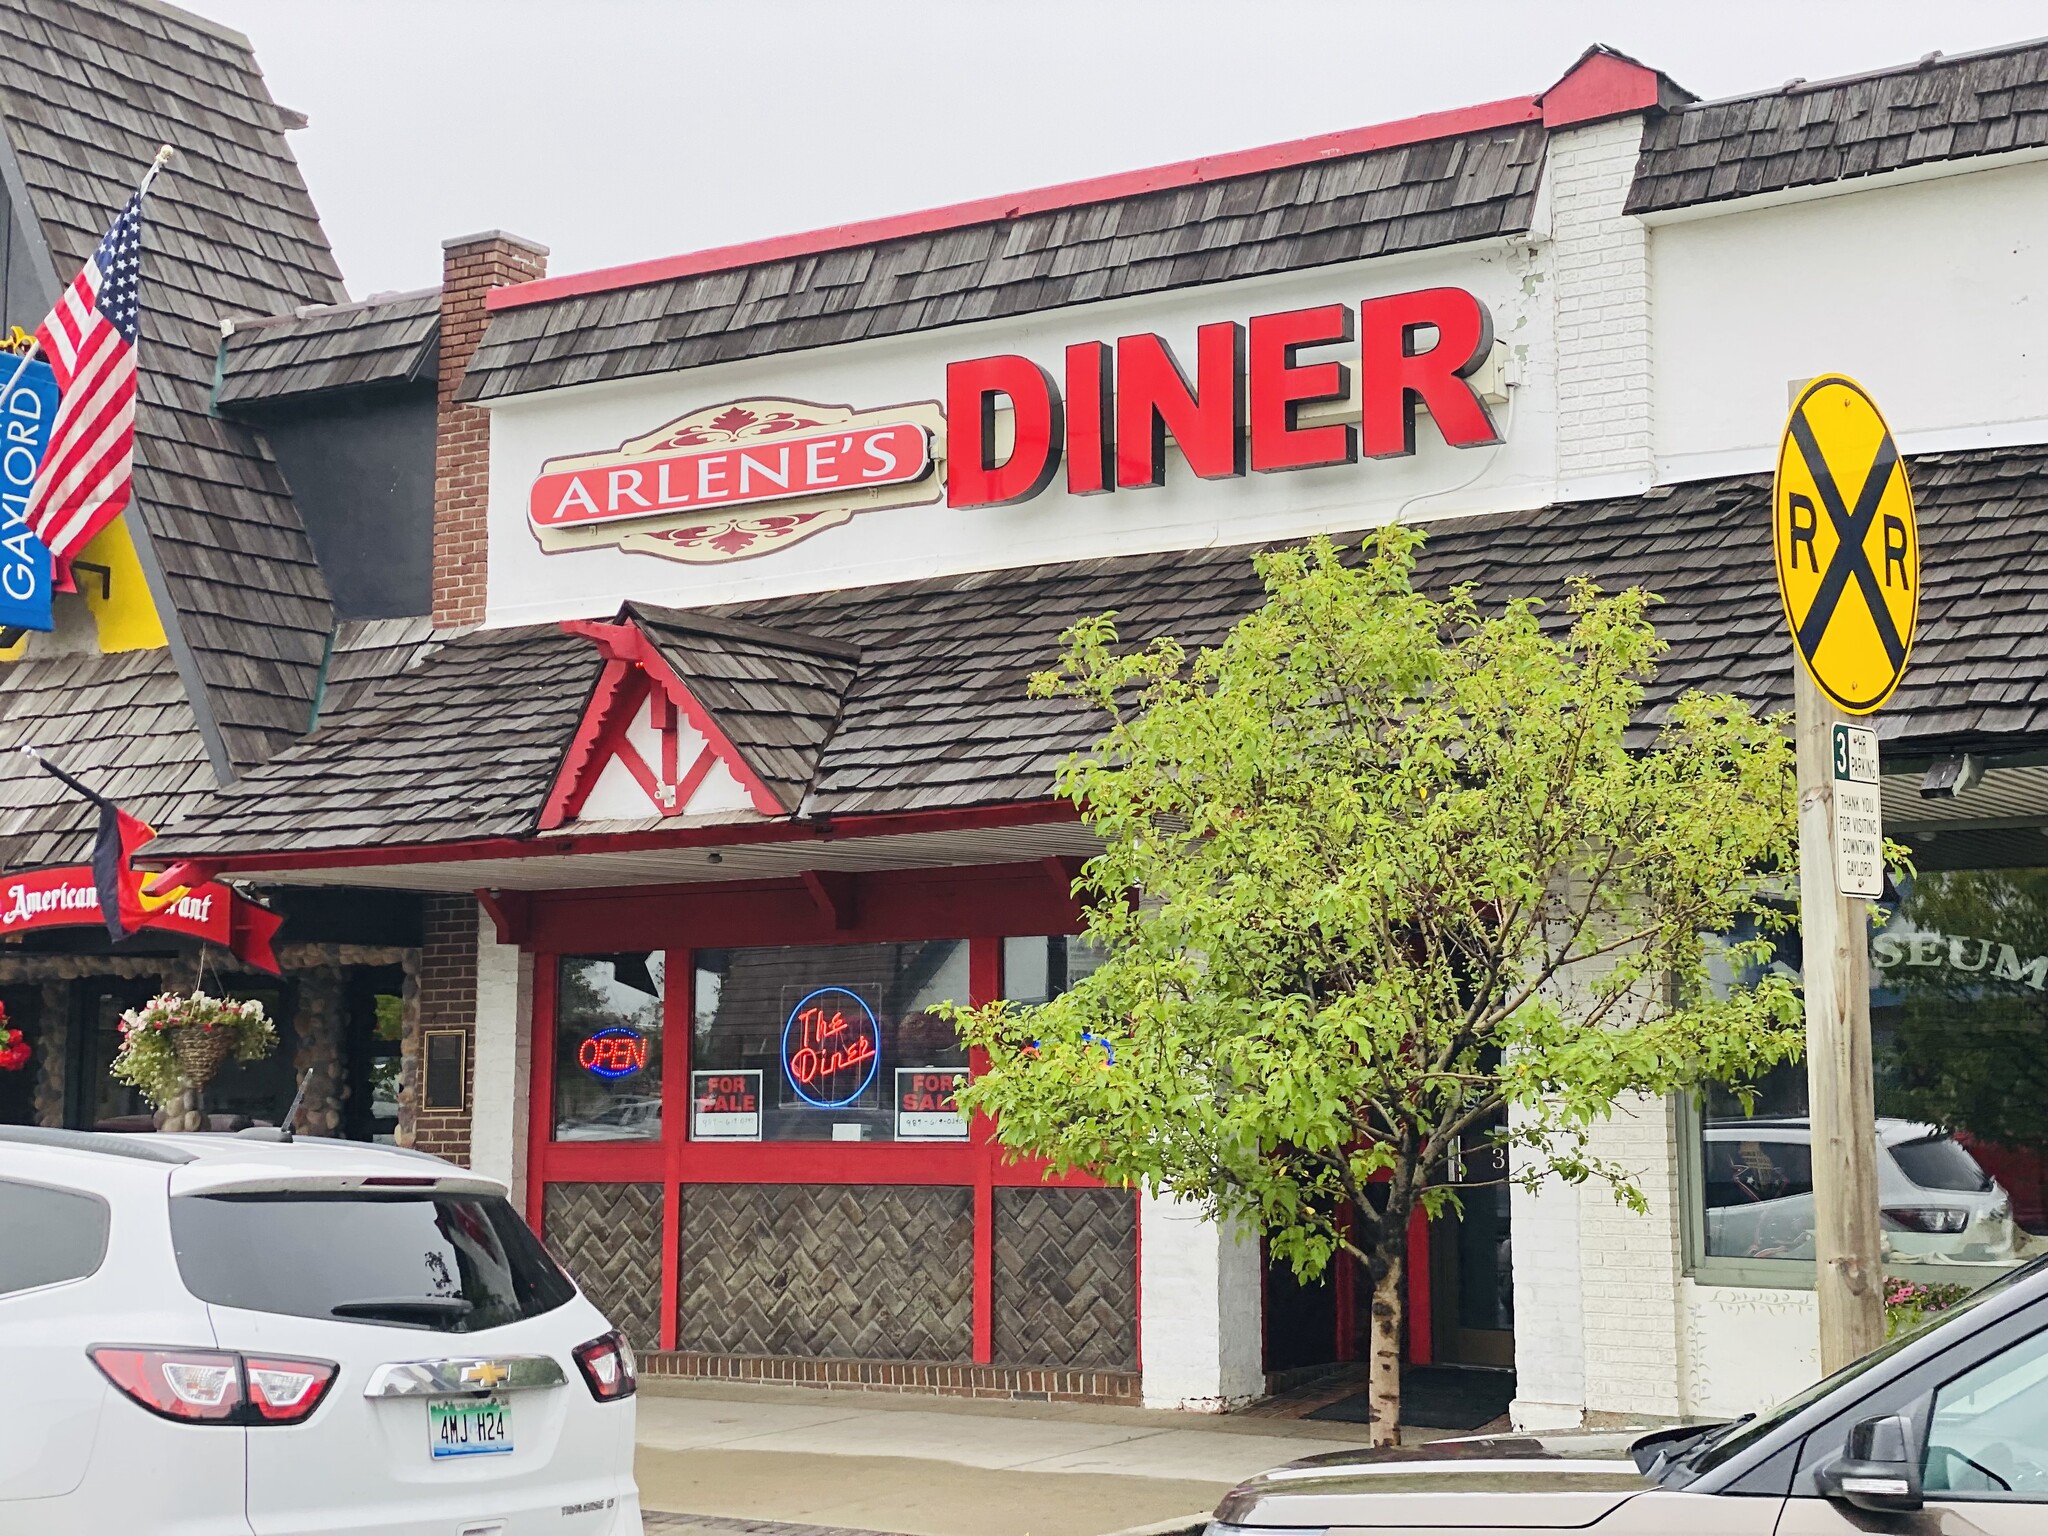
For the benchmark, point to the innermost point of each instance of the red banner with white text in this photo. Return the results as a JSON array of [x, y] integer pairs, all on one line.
[[64, 897]]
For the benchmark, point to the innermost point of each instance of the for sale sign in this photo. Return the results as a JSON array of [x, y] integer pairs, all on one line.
[[725, 1106], [925, 1110]]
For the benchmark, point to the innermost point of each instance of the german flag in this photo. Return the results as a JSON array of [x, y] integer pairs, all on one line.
[[113, 853]]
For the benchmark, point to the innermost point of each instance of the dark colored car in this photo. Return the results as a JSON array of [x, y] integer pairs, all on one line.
[[1940, 1433]]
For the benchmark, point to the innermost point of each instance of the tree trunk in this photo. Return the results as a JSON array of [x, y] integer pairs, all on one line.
[[1383, 1379]]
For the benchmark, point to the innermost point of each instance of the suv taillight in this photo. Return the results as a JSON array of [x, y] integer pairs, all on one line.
[[203, 1386], [607, 1365], [285, 1391]]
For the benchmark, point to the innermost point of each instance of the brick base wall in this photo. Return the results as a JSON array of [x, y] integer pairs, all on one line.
[[447, 1000], [1017, 1383]]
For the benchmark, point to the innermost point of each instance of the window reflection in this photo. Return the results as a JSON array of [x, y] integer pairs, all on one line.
[[827, 1042], [608, 1047], [1959, 1033]]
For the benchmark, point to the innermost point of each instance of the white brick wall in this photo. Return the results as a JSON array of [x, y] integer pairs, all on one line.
[[503, 1070], [1550, 1334], [1598, 1317], [1200, 1310], [1632, 1266], [1601, 308]]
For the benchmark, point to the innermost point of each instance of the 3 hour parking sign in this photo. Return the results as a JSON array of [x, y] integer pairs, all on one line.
[[1847, 544]]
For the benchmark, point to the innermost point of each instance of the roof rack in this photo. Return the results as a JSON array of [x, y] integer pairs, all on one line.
[[110, 1143]]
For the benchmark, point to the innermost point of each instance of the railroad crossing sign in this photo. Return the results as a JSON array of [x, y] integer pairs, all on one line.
[[1847, 544]]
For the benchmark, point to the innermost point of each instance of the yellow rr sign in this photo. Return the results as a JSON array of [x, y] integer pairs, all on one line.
[[1847, 544]]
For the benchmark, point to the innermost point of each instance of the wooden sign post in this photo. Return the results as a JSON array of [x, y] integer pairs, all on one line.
[[1848, 556]]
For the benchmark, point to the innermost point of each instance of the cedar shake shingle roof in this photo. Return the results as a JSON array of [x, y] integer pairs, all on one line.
[[382, 341], [121, 723], [936, 713], [1407, 198], [88, 90], [465, 744], [1807, 134]]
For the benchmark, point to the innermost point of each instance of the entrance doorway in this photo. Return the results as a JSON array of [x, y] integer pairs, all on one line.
[[93, 1098], [1472, 1275]]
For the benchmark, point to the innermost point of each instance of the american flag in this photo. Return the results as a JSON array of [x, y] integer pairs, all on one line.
[[89, 339]]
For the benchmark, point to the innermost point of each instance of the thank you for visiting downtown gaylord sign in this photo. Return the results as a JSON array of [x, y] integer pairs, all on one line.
[[25, 417]]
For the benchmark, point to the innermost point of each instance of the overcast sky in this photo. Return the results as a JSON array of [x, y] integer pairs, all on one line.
[[618, 130]]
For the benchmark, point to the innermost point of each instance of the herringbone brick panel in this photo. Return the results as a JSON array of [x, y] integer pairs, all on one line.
[[862, 1272], [609, 1237], [1066, 1278]]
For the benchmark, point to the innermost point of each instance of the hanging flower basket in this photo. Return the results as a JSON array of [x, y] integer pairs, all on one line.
[[179, 1040], [14, 1048]]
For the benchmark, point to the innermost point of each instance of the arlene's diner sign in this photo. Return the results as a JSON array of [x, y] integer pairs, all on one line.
[[748, 477]]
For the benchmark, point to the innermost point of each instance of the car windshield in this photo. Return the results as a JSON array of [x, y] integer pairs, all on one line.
[[1941, 1162], [452, 1263], [1743, 1434]]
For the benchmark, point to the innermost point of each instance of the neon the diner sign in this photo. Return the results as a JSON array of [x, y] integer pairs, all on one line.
[[831, 1047]]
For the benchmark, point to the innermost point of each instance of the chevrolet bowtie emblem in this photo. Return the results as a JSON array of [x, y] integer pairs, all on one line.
[[485, 1373]]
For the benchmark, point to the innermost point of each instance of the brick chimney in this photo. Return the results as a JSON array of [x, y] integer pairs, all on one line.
[[471, 265]]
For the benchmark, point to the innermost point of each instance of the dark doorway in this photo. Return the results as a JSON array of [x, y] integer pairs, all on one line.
[[1301, 1317], [1471, 1262], [92, 1098], [371, 1044], [24, 1005]]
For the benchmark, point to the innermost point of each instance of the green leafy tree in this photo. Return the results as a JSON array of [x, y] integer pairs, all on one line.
[[1383, 876]]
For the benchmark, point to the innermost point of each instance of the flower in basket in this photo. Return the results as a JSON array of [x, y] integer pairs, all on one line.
[[180, 1039], [14, 1051]]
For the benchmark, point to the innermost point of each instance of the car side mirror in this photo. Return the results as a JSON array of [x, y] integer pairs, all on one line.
[[1877, 1472]]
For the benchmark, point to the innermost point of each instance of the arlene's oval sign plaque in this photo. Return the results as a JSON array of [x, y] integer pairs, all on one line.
[[1847, 544]]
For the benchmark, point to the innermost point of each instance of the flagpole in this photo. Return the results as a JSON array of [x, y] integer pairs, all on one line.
[[163, 156]]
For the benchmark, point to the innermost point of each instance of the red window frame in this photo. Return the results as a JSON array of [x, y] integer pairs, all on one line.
[[982, 905]]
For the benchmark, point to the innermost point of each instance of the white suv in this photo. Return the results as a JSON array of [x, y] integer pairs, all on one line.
[[229, 1334]]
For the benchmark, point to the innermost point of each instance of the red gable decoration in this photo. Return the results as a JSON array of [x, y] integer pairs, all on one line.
[[646, 747]]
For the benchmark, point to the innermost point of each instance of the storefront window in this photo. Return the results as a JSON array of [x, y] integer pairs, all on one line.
[[1959, 1034], [608, 1047], [827, 1043], [1036, 970]]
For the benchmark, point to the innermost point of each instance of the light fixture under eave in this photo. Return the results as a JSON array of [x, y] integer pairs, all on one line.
[[1952, 776]]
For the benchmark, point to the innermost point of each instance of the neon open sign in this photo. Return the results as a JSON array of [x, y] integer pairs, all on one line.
[[616, 1052], [831, 1046]]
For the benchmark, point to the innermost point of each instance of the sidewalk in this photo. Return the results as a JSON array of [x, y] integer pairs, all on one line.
[[831, 1462]]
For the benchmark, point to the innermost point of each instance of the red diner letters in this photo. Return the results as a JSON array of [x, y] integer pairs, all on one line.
[[973, 478], [1121, 404], [1393, 375], [1280, 386], [1153, 399], [1091, 431]]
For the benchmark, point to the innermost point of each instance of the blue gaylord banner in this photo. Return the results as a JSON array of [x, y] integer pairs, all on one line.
[[25, 417]]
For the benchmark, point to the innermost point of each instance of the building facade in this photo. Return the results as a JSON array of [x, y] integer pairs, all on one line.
[[721, 774], [233, 599]]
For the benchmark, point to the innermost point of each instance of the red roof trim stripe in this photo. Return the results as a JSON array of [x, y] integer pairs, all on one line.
[[1072, 194]]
